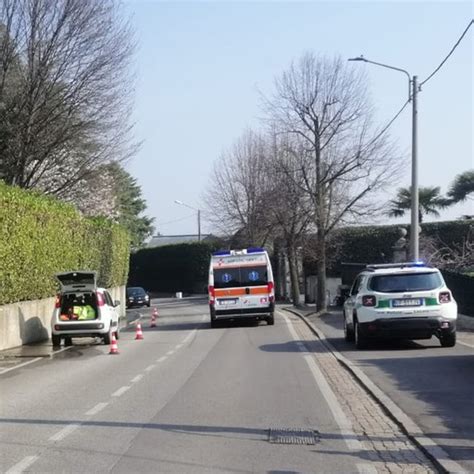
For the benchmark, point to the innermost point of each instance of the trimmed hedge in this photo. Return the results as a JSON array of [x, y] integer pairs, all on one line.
[[41, 236], [462, 287], [373, 244], [172, 268]]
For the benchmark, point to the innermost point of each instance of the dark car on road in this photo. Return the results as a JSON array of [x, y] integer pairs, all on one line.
[[137, 296]]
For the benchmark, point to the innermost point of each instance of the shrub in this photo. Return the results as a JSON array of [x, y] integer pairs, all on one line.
[[171, 268], [40, 236]]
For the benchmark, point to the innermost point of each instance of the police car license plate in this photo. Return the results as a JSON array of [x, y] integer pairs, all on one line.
[[228, 302], [407, 302]]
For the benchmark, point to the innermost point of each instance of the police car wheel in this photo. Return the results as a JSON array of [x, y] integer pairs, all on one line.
[[448, 340], [360, 341], [348, 333]]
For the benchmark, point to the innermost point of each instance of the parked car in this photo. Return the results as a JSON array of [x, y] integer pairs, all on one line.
[[137, 296], [400, 301], [83, 310]]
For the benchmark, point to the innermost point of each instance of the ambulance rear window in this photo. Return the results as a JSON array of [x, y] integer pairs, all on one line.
[[240, 277]]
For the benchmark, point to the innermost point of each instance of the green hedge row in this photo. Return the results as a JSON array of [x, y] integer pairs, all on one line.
[[40, 237], [373, 244], [462, 287], [172, 268]]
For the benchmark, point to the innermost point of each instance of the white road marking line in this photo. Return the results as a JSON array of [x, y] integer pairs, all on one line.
[[179, 346], [161, 359], [25, 463], [120, 391], [99, 407], [67, 430], [150, 367], [466, 344], [366, 469], [137, 378], [342, 421], [36, 359], [170, 352]]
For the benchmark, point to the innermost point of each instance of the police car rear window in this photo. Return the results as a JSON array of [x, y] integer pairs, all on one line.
[[240, 277], [406, 282]]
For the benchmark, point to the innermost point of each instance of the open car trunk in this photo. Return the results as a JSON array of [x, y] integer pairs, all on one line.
[[80, 306]]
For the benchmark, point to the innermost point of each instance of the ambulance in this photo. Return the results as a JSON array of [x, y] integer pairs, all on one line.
[[241, 285]]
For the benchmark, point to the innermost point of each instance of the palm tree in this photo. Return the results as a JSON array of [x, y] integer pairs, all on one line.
[[430, 200], [462, 186]]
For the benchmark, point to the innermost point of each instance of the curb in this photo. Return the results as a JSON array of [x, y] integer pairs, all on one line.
[[436, 454]]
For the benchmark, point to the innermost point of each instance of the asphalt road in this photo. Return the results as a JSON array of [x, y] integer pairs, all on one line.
[[433, 385], [187, 398]]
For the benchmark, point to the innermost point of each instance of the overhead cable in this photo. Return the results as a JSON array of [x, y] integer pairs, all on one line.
[[450, 53]]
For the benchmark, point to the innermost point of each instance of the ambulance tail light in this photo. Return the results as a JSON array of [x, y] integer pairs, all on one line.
[[100, 299], [212, 295], [271, 294], [57, 303]]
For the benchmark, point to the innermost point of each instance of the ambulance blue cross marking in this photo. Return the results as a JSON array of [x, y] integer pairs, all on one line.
[[226, 277]]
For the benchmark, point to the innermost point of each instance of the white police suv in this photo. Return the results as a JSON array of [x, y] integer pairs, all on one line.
[[400, 301]]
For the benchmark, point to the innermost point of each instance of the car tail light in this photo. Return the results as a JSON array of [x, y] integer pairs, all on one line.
[[445, 297], [212, 294], [57, 303], [271, 294], [369, 300], [100, 299]]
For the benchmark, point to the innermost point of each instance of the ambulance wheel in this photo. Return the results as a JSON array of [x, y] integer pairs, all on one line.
[[56, 340], [271, 320]]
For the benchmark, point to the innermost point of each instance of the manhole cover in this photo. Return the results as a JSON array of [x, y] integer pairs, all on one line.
[[292, 436]]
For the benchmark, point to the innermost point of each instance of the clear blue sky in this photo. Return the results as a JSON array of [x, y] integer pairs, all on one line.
[[200, 66]]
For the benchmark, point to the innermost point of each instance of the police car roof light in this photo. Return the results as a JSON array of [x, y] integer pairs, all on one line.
[[255, 250]]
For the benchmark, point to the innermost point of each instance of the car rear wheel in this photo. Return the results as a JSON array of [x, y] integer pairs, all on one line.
[[360, 340], [56, 340], [108, 338], [348, 332], [448, 340]]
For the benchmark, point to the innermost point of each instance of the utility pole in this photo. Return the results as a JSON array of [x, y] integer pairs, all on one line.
[[414, 232], [199, 225]]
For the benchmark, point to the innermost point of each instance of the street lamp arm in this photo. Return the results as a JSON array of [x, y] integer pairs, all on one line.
[[361, 58], [185, 205]]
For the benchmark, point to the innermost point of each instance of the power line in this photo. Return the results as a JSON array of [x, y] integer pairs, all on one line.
[[451, 52], [389, 124], [176, 220]]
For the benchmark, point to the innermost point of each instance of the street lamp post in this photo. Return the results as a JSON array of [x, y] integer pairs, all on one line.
[[198, 216], [412, 96]]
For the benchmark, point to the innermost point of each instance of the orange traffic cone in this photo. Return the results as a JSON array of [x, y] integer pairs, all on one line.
[[139, 333], [154, 315], [113, 345]]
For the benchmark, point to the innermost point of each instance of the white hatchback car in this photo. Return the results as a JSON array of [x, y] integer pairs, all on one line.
[[83, 310], [400, 301]]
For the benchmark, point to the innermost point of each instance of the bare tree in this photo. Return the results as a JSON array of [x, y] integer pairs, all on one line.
[[288, 205], [324, 102], [65, 91], [237, 193]]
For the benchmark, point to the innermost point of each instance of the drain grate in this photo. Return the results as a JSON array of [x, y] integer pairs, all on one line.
[[293, 436]]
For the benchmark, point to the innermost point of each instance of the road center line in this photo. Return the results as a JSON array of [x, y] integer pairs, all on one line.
[[99, 407], [170, 352], [342, 421], [137, 378], [120, 391], [25, 463], [61, 434], [150, 367], [161, 359]]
